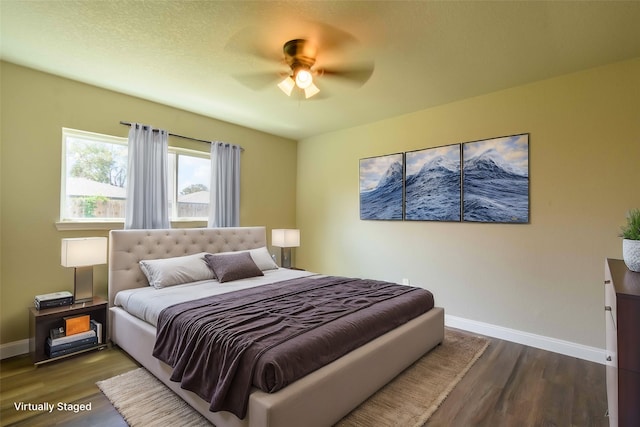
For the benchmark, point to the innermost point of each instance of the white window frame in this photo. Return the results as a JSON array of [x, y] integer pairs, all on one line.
[[116, 223]]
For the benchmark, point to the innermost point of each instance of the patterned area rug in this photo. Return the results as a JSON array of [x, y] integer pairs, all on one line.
[[409, 400]]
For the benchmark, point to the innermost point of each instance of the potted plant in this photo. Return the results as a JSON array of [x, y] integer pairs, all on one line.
[[631, 241]]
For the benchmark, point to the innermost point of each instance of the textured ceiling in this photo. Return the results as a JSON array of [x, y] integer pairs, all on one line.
[[197, 55]]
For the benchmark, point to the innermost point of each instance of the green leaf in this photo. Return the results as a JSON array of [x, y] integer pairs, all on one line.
[[631, 230]]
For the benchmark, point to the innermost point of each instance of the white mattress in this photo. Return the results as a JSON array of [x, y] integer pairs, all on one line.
[[147, 303]]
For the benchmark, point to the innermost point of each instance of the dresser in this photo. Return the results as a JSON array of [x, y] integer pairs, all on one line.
[[622, 314]]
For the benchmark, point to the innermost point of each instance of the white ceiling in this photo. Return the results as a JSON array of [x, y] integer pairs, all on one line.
[[196, 55]]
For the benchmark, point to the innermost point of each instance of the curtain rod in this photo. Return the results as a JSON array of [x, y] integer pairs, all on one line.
[[178, 136]]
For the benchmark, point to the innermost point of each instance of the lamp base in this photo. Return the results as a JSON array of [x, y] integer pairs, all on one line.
[[285, 257], [83, 284]]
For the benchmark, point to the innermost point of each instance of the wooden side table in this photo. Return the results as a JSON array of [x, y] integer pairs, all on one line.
[[42, 321]]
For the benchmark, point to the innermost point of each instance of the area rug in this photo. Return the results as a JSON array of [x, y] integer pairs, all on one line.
[[407, 401]]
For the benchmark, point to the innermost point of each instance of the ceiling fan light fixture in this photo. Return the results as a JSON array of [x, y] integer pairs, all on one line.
[[287, 85], [303, 78], [311, 90]]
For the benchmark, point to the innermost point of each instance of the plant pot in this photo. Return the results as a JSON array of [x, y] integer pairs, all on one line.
[[631, 254]]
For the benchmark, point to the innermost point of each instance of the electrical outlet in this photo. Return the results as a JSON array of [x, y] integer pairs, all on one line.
[[406, 281]]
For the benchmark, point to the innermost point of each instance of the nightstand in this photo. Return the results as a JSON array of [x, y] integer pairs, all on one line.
[[42, 321]]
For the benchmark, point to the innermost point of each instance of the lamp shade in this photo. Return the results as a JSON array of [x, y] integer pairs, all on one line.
[[84, 251], [311, 90], [287, 85], [285, 238]]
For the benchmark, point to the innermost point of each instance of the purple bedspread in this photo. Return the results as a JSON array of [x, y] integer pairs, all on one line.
[[275, 334]]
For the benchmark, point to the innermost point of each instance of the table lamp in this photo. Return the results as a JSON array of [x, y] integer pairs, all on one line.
[[285, 239], [82, 254]]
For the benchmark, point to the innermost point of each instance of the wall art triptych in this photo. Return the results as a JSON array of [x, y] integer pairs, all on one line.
[[478, 181]]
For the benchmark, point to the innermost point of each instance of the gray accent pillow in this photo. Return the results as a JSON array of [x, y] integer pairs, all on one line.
[[175, 271], [230, 267]]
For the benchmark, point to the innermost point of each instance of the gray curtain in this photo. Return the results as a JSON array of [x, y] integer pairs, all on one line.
[[224, 208], [147, 173]]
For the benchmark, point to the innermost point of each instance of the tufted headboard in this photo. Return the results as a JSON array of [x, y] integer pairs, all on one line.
[[128, 247]]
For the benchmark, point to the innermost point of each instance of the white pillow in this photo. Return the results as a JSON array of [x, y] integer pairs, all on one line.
[[175, 271], [260, 256]]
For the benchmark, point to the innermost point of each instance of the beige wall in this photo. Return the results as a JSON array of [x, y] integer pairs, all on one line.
[[544, 277], [35, 106]]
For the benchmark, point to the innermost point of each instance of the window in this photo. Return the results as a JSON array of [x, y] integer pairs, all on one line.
[[94, 175], [190, 177]]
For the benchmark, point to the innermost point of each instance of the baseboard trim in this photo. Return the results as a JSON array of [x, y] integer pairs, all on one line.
[[568, 348], [14, 348]]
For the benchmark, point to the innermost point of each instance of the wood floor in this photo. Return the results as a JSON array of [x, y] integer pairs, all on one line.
[[71, 380], [517, 385], [510, 385]]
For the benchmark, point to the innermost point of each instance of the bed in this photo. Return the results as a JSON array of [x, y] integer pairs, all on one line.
[[320, 398]]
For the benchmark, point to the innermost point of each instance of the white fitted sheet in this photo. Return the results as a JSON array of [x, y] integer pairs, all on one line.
[[147, 303]]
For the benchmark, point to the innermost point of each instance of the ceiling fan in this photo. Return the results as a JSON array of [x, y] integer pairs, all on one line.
[[300, 56], [306, 59]]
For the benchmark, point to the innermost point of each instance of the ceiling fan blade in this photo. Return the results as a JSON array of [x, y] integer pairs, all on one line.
[[265, 41], [257, 81], [358, 75], [250, 41], [327, 37]]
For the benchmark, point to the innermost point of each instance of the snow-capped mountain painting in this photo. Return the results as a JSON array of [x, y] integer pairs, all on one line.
[[496, 179], [381, 187], [432, 187]]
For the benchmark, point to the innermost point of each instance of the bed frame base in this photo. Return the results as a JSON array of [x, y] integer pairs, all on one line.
[[321, 398]]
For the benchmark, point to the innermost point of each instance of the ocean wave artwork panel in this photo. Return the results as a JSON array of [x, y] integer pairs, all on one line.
[[496, 180], [432, 186], [381, 187]]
